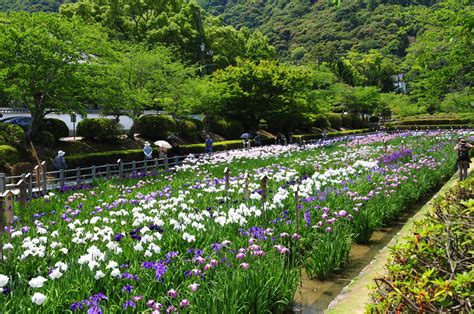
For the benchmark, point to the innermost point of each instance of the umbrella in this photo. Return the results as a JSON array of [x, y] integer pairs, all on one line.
[[173, 138], [164, 144], [246, 135]]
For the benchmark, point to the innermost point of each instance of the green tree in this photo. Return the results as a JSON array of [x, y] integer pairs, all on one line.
[[46, 62], [140, 79], [441, 60]]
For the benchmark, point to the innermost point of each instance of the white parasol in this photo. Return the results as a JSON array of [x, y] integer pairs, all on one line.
[[163, 144]]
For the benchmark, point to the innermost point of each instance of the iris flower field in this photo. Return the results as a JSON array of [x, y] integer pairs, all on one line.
[[190, 240]]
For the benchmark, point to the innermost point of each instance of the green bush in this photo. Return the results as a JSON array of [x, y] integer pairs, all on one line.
[[286, 123], [98, 128], [357, 122], [56, 127], [46, 138], [335, 120], [156, 127], [8, 155], [11, 134], [432, 271], [316, 136], [230, 129], [347, 121], [320, 121], [188, 129], [374, 119]]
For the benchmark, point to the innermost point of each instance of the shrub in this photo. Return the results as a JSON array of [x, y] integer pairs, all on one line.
[[357, 122], [98, 128], [8, 155], [335, 120], [229, 128], [56, 127], [347, 121], [320, 121], [11, 134], [374, 119], [156, 127], [188, 129], [46, 138], [284, 123], [442, 239], [424, 127]]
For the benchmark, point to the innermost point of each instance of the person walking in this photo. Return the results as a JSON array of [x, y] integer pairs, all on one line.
[[59, 162], [462, 148], [208, 144], [175, 151]]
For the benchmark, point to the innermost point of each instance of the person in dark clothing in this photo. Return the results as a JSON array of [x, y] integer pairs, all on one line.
[[258, 140], [208, 144], [462, 148], [175, 151], [59, 162]]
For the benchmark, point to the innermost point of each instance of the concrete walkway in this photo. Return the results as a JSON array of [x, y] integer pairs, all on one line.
[[354, 297]]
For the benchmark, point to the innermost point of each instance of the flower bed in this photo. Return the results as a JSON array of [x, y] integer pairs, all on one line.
[[191, 240]]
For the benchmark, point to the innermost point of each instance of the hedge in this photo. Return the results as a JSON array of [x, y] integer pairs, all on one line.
[[56, 127], [8, 155], [98, 128], [188, 129], [102, 158], [156, 127], [433, 121], [427, 127], [308, 137], [11, 134]]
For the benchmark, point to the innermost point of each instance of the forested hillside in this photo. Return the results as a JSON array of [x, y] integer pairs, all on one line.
[[318, 30], [32, 6]]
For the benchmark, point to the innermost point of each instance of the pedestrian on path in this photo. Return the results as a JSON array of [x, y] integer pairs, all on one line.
[[462, 148], [208, 144], [59, 162]]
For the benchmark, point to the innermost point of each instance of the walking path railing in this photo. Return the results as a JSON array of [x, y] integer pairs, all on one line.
[[43, 181]]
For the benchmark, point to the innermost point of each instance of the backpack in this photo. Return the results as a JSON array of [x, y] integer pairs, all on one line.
[[463, 152]]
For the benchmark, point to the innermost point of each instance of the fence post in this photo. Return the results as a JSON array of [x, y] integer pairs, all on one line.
[[264, 195], [8, 201], [3, 183], [2, 226], [61, 177], [107, 170], [145, 166], [166, 163], [78, 173], [134, 166], [22, 196], [29, 178], [93, 170], [120, 168], [156, 164], [43, 174]]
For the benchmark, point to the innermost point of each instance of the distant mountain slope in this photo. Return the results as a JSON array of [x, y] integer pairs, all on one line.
[[32, 6], [318, 30]]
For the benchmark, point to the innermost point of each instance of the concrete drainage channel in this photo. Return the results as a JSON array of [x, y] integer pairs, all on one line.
[[347, 291]]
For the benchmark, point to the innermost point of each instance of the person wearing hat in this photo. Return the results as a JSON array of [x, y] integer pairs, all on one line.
[[59, 162], [148, 151], [462, 148]]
